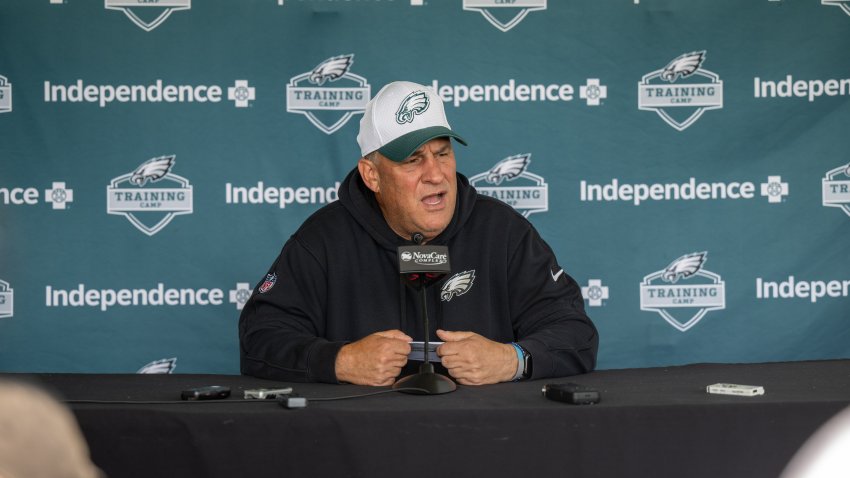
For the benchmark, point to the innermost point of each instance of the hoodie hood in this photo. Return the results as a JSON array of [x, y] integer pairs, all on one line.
[[360, 201]]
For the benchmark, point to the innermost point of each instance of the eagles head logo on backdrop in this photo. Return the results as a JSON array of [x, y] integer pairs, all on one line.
[[331, 69], [413, 104], [683, 304], [681, 91], [683, 267], [145, 198], [683, 66], [329, 94], [162, 366], [526, 192], [509, 168], [152, 170]]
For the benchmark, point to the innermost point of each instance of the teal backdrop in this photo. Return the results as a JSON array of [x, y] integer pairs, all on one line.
[[688, 162]]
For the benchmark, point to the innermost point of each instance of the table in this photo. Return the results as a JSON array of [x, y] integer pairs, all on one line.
[[654, 422]]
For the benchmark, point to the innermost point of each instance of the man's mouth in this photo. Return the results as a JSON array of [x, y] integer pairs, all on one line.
[[434, 199]]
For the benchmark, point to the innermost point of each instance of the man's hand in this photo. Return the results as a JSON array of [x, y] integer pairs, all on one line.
[[375, 360], [475, 360]]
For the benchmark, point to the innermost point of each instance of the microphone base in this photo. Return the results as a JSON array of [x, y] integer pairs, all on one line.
[[428, 383]]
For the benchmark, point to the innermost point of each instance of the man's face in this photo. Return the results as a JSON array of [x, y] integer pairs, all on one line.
[[418, 194]]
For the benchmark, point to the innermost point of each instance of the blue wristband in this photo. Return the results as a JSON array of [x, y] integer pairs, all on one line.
[[520, 363]]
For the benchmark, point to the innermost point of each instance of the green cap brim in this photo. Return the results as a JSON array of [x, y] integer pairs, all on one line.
[[400, 148]]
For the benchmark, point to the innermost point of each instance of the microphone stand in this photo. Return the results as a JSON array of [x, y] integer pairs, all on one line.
[[426, 382]]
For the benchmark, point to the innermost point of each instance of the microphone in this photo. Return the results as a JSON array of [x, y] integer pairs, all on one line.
[[421, 266]]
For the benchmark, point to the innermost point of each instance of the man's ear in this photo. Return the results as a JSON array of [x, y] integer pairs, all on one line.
[[369, 173]]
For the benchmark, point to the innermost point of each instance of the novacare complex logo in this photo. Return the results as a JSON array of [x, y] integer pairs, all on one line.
[[429, 258], [143, 198], [329, 95], [5, 95], [154, 11], [681, 91], [526, 192], [836, 188], [7, 296], [682, 305], [504, 14]]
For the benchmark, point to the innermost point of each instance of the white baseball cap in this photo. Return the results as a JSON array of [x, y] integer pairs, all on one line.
[[402, 117]]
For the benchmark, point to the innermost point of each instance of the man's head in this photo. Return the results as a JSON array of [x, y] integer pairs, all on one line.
[[408, 160]]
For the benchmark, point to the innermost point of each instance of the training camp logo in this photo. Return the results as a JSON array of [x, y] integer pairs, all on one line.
[[594, 292], [457, 285], [504, 14], [156, 10], [843, 4], [7, 300], [683, 304], [528, 193], [141, 196], [5, 95], [678, 92], [336, 94], [413, 104], [836, 188], [162, 366]]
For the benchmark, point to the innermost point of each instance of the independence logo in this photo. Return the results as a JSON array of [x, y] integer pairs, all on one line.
[[7, 296], [836, 188], [526, 192], [144, 197], [59, 196], [681, 91], [683, 304], [329, 95], [5, 95], [504, 14], [156, 11]]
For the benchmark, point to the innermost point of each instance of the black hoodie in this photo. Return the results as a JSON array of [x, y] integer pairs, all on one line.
[[336, 281]]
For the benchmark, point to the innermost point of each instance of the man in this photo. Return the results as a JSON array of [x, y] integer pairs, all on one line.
[[333, 309]]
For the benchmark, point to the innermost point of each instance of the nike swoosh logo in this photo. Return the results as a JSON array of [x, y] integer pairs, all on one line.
[[555, 276]]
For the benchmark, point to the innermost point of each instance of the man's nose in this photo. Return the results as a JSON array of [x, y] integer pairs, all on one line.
[[431, 171]]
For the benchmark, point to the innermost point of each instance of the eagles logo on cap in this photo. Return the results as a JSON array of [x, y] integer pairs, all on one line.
[[400, 119], [414, 104]]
